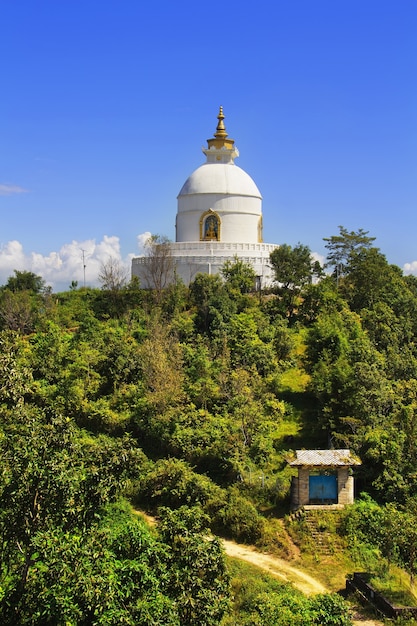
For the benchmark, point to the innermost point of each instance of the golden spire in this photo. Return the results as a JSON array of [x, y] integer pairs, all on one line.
[[221, 131], [220, 136]]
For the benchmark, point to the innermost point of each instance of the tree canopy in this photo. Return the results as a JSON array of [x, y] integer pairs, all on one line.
[[25, 281], [343, 246], [192, 399]]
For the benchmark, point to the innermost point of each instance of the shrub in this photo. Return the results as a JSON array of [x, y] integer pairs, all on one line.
[[239, 519], [330, 610], [173, 483]]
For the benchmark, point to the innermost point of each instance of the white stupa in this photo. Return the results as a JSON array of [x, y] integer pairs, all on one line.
[[219, 217]]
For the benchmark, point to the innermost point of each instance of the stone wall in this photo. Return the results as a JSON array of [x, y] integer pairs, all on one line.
[[300, 489], [345, 486]]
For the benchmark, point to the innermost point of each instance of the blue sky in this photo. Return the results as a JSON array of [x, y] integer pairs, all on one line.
[[105, 106]]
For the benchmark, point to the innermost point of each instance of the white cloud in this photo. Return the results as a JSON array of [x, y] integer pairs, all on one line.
[[59, 269], [318, 257], [142, 239], [12, 255], [8, 190], [410, 268]]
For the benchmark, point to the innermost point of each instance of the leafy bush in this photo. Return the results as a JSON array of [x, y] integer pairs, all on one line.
[[329, 610], [172, 482], [238, 518], [289, 607]]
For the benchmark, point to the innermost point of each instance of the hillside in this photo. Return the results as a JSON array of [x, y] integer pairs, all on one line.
[[189, 402]]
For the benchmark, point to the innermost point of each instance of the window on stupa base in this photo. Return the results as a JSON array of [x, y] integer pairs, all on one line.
[[210, 226]]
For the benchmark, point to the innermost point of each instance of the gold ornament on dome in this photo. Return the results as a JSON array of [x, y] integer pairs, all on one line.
[[210, 226], [220, 136]]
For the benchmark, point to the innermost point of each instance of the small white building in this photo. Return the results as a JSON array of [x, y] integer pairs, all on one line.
[[219, 217]]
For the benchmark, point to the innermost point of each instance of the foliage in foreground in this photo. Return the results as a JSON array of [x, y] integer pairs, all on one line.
[[195, 397], [68, 554], [381, 537], [264, 601]]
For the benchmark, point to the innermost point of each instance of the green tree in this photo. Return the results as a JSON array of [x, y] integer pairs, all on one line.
[[25, 281], [112, 574], [173, 483], [370, 279], [15, 373], [238, 518], [294, 269], [52, 477], [174, 300], [161, 366], [321, 297], [201, 374], [238, 275], [198, 579], [212, 302], [342, 246], [347, 377], [389, 447], [246, 347], [51, 480]]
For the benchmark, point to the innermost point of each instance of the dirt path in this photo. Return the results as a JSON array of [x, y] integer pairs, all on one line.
[[286, 572], [279, 568]]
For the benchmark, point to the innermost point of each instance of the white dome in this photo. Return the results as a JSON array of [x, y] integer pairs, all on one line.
[[220, 178]]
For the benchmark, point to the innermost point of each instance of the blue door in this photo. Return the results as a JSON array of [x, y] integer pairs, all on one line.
[[323, 489]]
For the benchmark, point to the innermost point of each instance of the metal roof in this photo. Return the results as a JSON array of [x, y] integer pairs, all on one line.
[[328, 458]]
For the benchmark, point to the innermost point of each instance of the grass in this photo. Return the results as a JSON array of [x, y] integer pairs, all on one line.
[[294, 380], [332, 567], [395, 586], [248, 582], [293, 390]]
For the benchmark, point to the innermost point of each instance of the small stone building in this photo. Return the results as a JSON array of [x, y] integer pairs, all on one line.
[[324, 478]]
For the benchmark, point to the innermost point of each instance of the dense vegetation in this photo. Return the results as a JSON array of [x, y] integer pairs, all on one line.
[[187, 402]]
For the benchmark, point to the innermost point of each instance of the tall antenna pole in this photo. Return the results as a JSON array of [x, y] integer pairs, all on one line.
[[84, 265]]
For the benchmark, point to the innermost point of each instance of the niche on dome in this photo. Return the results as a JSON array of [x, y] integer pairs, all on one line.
[[210, 226], [260, 230]]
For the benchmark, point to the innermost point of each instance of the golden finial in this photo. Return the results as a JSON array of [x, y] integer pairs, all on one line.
[[220, 141], [220, 130]]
